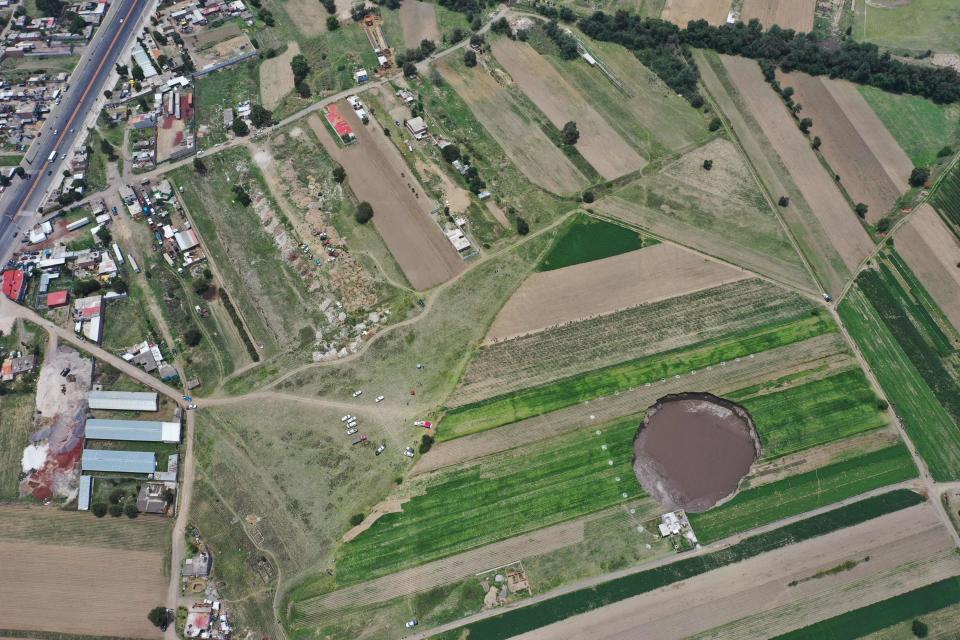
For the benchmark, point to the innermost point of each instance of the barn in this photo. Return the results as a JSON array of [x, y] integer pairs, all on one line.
[[123, 400]]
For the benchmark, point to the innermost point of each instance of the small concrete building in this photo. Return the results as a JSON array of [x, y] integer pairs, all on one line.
[[124, 400], [417, 127]]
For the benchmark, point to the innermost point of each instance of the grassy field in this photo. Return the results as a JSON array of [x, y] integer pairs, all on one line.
[[129, 321], [501, 410], [586, 239], [804, 492], [16, 425], [221, 90], [67, 527], [564, 606], [814, 413], [886, 613], [918, 25], [501, 497], [19, 69], [920, 126]]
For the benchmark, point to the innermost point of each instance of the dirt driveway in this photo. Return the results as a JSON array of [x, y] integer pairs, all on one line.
[[377, 173]]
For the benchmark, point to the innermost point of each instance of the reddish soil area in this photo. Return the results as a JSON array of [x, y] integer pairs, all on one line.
[[693, 450]]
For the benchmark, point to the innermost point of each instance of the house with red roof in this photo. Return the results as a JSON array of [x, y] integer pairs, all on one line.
[[14, 284], [56, 299]]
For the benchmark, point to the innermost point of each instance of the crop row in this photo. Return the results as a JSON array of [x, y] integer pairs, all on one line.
[[524, 619], [947, 196], [512, 407]]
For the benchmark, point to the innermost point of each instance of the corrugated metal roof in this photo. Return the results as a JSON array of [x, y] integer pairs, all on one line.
[[118, 461], [123, 400], [86, 488], [138, 430]]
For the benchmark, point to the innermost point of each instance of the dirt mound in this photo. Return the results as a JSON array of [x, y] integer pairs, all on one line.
[[693, 449]]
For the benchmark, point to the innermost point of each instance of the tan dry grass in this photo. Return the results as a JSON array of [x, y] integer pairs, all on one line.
[[550, 298], [789, 14], [309, 16], [680, 12], [276, 76], [419, 22], [933, 254], [80, 590], [562, 102], [523, 142]]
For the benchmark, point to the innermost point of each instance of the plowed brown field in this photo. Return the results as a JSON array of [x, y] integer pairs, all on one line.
[[680, 12], [933, 253], [789, 14]]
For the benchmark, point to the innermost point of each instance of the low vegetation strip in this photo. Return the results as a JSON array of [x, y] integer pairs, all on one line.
[[565, 606], [815, 413], [587, 239], [928, 424], [501, 410], [803, 492], [506, 495], [880, 615]]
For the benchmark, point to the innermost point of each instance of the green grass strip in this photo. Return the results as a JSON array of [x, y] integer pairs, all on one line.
[[500, 410], [538, 615], [803, 492], [587, 239], [883, 614]]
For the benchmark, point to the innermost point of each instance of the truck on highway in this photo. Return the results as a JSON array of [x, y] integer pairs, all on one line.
[[53, 156]]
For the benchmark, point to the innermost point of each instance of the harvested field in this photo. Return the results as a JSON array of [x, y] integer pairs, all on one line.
[[667, 324], [80, 590], [276, 76], [69, 528], [721, 212], [932, 252], [818, 189], [208, 37], [680, 12], [524, 143], [552, 298], [419, 22], [562, 102], [907, 549], [788, 14], [309, 17], [850, 132], [377, 173]]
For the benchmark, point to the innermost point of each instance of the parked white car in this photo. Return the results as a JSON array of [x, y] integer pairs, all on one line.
[[345, 418], [378, 399], [381, 449], [358, 393], [351, 431], [408, 452]]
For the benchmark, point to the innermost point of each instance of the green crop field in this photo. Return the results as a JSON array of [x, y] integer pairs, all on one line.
[[928, 424], [879, 615], [513, 407], [804, 492], [921, 127], [814, 413], [918, 25], [518, 621], [518, 491], [947, 197], [586, 239]]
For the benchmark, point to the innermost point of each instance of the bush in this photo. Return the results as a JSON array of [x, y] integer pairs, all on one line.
[[805, 125], [522, 227], [332, 23], [588, 196], [240, 127], [199, 166], [715, 124], [570, 133], [946, 151], [242, 196], [260, 116], [192, 337], [816, 143], [470, 58], [131, 511], [99, 509], [919, 629], [708, 164], [339, 174], [919, 176], [115, 510], [783, 201], [364, 213], [356, 519], [426, 442], [409, 69], [450, 152], [159, 616], [883, 225], [861, 210]]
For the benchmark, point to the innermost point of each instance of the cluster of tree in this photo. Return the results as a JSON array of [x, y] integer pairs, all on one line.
[[242, 196], [563, 13], [330, 6], [407, 59], [364, 212], [100, 509], [240, 127], [358, 11], [73, 195], [267, 17], [564, 41], [451, 153], [85, 287], [160, 617], [260, 116], [301, 69], [919, 176], [389, 4], [75, 24], [471, 8], [159, 37], [501, 26], [570, 133], [52, 8]]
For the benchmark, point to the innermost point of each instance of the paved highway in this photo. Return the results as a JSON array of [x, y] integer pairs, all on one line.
[[22, 200]]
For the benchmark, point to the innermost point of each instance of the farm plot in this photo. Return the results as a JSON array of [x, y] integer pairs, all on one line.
[[664, 325], [680, 12], [375, 171], [721, 212], [562, 102], [497, 498], [310, 18], [551, 298], [80, 589], [919, 25], [276, 76], [873, 168], [524, 143], [932, 252], [419, 22], [16, 424], [818, 188], [587, 238], [922, 127], [512, 407], [788, 14], [947, 198]]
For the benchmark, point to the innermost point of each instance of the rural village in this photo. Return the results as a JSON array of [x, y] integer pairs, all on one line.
[[549, 319]]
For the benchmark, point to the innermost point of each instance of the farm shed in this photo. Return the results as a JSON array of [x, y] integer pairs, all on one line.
[[138, 430], [118, 461], [86, 489], [124, 400]]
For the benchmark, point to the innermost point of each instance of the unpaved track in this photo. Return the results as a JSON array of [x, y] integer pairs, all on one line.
[[378, 174], [680, 12], [761, 583], [562, 102], [419, 22], [788, 14], [933, 253], [80, 590], [550, 298]]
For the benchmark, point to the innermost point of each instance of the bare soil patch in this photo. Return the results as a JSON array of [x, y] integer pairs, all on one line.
[[550, 298], [309, 16], [498, 214], [380, 509], [377, 174], [419, 22], [561, 102], [523, 142], [207, 37], [276, 76], [818, 188], [933, 254], [80, 590], [846, 146], [455, 196], [680, 12], [693, 450], [789, 14]]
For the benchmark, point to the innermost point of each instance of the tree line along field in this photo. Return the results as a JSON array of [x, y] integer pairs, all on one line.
[[586, 238], [535, 359], [518, 621], [912, 350], [512, 407]]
